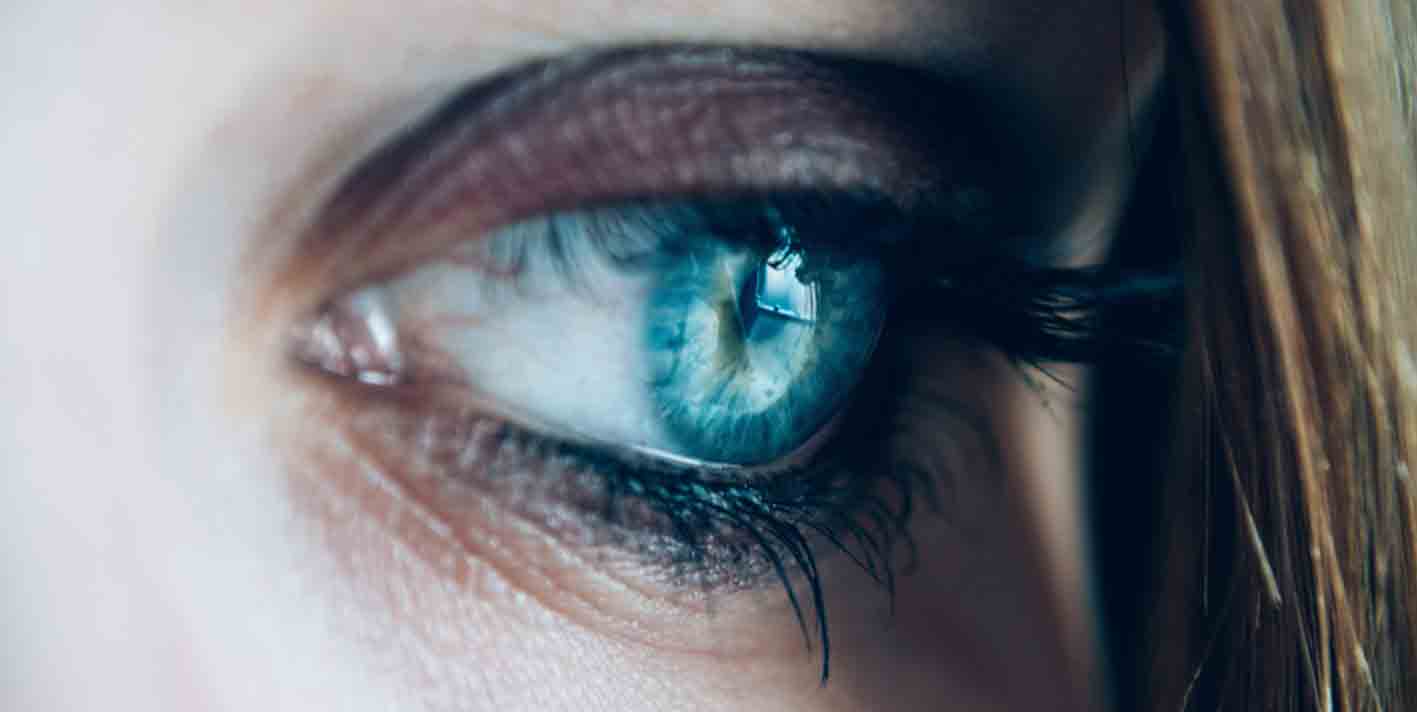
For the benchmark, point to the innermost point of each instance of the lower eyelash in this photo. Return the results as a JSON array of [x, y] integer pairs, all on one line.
[[720, 533], [705, 529]]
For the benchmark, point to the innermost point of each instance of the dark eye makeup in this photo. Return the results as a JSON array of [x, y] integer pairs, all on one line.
[[741, 243]]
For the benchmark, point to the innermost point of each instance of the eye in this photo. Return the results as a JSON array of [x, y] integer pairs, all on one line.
[[658, 298], [713, 332]]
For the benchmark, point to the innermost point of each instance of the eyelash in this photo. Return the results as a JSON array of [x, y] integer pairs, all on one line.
[[708, 527], [720, 530]]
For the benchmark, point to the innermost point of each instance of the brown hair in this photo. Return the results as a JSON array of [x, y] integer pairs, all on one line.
[[1288, 562]]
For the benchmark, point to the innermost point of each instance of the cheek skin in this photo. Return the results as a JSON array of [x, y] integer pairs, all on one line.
[[996, 596], [1044, 468], [477, 605]]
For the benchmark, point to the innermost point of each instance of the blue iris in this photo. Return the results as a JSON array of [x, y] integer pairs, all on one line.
[[753, 350]]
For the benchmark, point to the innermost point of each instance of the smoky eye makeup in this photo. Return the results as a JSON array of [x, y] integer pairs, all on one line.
[[656, 299]]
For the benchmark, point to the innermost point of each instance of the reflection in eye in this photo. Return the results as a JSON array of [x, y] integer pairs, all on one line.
[[753, 350]]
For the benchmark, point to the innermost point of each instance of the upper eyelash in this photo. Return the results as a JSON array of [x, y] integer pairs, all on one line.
[[1033, 314], [1064, 315]]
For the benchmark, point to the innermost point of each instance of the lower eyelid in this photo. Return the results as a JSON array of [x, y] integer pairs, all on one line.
[[396, 464], [389, 531], [354, 463]]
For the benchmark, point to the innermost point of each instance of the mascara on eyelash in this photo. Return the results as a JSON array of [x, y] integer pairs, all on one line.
[[1073, 315]]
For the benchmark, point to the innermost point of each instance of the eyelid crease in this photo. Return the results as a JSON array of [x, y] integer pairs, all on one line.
[[650, 123]]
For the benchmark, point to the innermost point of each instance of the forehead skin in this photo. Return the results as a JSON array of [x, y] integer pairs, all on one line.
[[145, 533]]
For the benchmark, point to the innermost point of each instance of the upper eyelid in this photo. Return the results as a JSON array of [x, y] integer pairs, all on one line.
[[412, 183]]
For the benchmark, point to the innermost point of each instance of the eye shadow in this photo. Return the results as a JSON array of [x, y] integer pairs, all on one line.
[[663, 122]]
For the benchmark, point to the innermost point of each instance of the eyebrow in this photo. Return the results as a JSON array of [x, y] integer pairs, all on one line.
[[624, 124]]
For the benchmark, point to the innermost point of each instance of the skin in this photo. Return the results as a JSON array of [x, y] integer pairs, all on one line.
[[168, 543]]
